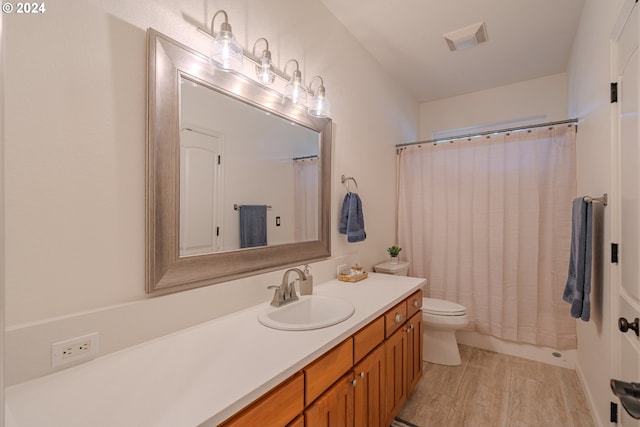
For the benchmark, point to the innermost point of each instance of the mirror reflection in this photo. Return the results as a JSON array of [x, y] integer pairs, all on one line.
[[248, 178]]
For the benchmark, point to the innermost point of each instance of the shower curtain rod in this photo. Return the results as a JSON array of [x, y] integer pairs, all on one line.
[[489, 132]]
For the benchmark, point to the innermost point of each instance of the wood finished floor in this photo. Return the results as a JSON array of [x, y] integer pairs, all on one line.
[[492, 389]]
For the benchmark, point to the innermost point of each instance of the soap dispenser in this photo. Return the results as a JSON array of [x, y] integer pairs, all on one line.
[[306, 286]]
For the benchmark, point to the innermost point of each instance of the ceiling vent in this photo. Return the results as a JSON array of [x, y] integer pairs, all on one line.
[[466, 37]]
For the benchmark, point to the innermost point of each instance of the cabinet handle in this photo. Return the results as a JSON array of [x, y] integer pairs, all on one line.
[[416, 303], [362, 374], [409, 328], [354, 383], [398, 317]]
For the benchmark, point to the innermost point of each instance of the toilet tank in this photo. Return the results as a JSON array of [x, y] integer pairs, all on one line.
[[399, 269]]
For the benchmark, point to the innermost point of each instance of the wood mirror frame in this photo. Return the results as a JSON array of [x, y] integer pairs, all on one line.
[[165, 270]]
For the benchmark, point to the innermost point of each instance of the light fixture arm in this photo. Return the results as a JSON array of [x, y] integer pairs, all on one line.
[[225, 25], [297, 70], [266, 49], [320, 90]]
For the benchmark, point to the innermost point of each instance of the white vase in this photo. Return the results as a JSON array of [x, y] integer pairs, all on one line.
[[394, 260]]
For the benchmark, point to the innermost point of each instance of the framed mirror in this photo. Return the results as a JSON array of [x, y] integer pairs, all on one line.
[[219, 143]]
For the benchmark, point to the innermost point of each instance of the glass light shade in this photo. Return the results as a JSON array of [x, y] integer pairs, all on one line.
[[319, 106], [294, 91], [264, 72], [226, 52]]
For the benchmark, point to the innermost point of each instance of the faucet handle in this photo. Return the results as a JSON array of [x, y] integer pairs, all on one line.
[[278, 295], [292, 291]]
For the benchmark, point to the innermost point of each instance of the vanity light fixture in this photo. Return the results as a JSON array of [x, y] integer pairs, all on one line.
[[295, 90], [264, 70], [226, 52], [320, 105]]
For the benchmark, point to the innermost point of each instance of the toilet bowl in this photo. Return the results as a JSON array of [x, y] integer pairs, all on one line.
[[441, 319]]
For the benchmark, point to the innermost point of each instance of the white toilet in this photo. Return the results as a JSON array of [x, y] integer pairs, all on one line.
[[441, 319]]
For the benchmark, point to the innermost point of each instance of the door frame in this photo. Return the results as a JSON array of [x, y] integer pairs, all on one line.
[[615, 204]]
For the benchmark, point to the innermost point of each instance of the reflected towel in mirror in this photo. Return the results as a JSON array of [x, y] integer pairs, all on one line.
[[253, 226]]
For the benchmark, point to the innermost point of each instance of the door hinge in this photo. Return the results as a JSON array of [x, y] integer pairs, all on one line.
[[613, 413], [614, 92], [614, 253]]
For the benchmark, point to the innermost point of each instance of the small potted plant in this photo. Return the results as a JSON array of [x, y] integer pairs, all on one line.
[[394, 251]]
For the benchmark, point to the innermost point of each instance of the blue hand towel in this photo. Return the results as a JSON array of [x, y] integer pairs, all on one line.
[[344, 214], [352, 218], [253, 226], [578, 285]]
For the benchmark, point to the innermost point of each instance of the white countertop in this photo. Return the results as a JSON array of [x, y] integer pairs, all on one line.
[[201, 375]]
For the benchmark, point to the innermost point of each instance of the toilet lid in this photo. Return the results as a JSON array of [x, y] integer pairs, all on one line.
[[442, 308]]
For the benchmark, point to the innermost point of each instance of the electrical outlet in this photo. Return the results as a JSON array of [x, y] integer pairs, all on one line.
[[74, 349]]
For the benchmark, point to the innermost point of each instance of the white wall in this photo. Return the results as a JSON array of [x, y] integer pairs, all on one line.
[[545, 96], [75, 163], [589, 77]]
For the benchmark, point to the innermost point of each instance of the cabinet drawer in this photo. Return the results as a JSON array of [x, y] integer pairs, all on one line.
[[395, 317], [367, 338], [320, 374], [414, 303], [276, 409]]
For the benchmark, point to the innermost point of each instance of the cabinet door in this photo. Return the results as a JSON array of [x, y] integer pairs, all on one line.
[[414, 351], [334, 408], [370, 390], [323, 372], [298, 422], [396, 373], [276, 408]]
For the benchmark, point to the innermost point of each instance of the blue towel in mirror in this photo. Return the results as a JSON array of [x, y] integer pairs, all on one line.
[[578, 286], [253, 226], [352, 218]]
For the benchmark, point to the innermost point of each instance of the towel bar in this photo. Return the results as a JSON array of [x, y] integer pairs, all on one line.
[[604, 199], [236, 207]]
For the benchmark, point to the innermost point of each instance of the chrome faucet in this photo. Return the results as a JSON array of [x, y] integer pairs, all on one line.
[[286, 292]]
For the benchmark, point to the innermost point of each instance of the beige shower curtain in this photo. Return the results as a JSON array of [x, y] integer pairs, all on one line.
[[305, 199], [487, 222]]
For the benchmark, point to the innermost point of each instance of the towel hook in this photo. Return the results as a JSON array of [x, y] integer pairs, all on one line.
[[346, 179]]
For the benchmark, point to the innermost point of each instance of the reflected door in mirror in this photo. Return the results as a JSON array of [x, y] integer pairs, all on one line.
[[200, 191]]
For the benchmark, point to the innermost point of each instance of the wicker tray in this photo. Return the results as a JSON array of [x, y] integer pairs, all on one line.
[[353, 278]]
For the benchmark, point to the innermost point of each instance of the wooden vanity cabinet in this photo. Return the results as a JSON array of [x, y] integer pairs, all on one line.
[[334, 408], [414, 351], [323, 372], [361, 382], [396, 373], [403, 354], [275, 409], [298, 422], [370, 404]]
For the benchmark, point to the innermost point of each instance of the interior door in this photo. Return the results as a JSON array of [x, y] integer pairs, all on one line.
[[200, 192], [626, 204]]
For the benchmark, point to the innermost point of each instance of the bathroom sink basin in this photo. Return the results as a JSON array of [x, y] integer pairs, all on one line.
[[309, 312]]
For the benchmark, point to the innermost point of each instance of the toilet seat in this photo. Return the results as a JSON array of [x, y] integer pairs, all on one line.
[[441, 307]]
